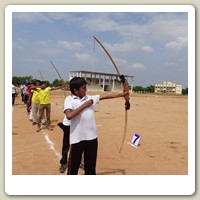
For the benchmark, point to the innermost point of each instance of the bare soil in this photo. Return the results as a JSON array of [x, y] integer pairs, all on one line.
[[160, 120]]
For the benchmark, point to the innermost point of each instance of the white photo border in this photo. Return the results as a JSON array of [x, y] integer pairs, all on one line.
[[106, 184]]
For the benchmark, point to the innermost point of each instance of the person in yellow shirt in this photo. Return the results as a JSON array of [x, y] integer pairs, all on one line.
[[34, 101], [45, 103]]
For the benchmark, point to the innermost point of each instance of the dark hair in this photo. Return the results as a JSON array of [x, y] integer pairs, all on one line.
[[76, 83], [36, 81]]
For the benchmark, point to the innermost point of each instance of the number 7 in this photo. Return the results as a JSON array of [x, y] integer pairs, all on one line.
[[137, 137]]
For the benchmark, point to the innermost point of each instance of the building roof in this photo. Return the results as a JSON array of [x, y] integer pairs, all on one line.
[[100, 73]]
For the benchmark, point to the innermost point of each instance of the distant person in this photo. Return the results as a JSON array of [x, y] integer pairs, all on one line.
[[34, 101], [45, 104], [22, 90], [65, 126], [25, 92], [79, 108], [14, 93]]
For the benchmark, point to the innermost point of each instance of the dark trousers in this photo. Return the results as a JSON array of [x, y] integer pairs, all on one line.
[[25, 98], [13, 98], [65, 143], [89, 148]]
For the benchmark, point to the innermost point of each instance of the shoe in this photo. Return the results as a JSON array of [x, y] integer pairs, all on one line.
[[82, 166], [62, 168], [38, 129], [49, 128]]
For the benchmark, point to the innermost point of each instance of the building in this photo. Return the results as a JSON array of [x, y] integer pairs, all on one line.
[[101, 81], [168, 87]]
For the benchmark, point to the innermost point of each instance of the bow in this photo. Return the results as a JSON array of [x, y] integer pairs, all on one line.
[[42, 78], [55, 69], [57, 73], [125, 89]]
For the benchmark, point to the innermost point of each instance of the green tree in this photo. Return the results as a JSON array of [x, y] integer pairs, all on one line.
[[150, 89], [138, 89], [20, 80], [47, 83], [56, 83], [185, 91]]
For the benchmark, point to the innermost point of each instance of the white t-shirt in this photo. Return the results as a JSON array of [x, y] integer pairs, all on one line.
[[13, 89], [66, 122], [83, 126]]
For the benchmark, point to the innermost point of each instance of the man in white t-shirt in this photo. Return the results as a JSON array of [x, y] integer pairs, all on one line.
[[79, 108]]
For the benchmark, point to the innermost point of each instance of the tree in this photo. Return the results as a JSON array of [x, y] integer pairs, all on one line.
[[150, 89], [56, 83], [185, 91], [17, 81], [47, 83], [138, 89]]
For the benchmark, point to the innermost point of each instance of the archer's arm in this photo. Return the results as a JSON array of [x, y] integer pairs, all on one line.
[[112, 96], [73, 113], [59, 87]]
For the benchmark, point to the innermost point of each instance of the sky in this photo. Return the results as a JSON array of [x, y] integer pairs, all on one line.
[[151, 46]]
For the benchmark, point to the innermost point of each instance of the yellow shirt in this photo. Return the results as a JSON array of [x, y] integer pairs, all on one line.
[[35, 97], [44, 95]]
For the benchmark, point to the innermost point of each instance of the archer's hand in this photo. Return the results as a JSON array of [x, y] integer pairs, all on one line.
[[125, 93], [63, 83], [88, 103], [122, 78], [127, 105]]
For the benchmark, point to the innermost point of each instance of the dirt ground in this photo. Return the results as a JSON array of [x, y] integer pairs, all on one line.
[[160, 120]]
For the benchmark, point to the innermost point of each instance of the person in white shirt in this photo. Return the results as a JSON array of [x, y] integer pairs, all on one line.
[[79, 108], [65, 126], [14, 92]]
